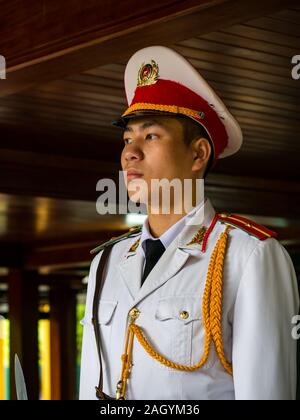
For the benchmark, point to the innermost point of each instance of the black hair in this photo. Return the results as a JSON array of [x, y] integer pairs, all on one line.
[[193, 130]]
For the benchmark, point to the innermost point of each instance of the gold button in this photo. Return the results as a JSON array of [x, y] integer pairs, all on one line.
[[184, 314], [134, 313]]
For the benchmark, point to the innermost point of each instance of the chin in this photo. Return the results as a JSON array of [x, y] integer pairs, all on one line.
[[138, 198], [138, 191]]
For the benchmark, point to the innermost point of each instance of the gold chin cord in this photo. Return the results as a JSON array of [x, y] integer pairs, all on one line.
[[127, 356]]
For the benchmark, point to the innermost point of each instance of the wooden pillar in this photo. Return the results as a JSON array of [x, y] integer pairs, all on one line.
[[23, 315], [63, 341]]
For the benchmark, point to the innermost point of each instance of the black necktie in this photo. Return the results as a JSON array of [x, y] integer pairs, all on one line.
[[154, 250]]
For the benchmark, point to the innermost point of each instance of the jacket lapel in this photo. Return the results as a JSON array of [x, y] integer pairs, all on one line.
[[176, 255], [187, 243], [131, 269], [172, 260]]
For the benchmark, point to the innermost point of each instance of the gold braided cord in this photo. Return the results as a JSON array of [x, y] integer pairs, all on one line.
[[165, 108], [206, 300], [137, 331], [126, 365], [212, 319], [216, 301]]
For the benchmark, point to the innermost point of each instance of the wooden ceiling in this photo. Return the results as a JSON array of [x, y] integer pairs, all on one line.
[[57, 139], [248, 64]]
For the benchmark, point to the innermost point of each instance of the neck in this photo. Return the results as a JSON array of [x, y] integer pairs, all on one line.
[[159, 222]]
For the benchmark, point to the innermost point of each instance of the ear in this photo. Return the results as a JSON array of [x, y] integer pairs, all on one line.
[[201, 150]]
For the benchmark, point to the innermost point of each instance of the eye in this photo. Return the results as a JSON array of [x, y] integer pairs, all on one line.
[[127, 141], [151, 136]]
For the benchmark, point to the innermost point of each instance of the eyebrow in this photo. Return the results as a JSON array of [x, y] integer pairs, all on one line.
[[145, 125]]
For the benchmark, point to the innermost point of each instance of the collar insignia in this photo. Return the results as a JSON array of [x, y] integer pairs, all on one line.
[[134, 246], [198, 237]]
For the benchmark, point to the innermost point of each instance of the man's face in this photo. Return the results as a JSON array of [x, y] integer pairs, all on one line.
[[154, 147]]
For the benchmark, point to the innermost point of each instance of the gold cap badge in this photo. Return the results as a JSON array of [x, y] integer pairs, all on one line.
[[148, 74]]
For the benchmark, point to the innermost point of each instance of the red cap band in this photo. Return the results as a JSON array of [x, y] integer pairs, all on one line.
[[174, 94]]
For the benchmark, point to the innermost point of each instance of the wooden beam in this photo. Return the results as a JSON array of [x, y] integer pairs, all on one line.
[[72, 277], [63, 341], [48, 175], [48, 141], [67, 254], [23, 315], [73, 38]]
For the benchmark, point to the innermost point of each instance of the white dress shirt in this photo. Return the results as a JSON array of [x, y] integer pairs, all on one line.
[[169, 235]]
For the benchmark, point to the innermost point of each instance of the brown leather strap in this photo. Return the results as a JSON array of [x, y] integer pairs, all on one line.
[[98, 288]]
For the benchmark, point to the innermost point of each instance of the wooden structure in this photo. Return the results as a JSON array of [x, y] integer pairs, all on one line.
[[64, 86]]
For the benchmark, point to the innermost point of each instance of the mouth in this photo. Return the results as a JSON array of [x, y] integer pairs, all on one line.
[[133, 174]]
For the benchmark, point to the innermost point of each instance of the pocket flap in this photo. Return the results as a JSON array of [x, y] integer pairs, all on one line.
[[106, 310], [184, 309], [105, 313]]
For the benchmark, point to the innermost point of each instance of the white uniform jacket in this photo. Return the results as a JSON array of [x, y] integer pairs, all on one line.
[[260, 297]]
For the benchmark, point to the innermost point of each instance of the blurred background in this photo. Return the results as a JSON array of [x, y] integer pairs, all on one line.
[[64, 85]]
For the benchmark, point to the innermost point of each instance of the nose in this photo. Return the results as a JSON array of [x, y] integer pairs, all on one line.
[[132, 153]]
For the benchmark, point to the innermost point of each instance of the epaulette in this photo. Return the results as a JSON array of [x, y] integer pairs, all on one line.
[[253, 228], [132, 232]]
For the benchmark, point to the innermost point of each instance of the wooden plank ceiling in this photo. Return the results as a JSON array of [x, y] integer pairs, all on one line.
[[63, 128], [248, 64]]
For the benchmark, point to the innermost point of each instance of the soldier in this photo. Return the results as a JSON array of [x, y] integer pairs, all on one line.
[[196, 305]]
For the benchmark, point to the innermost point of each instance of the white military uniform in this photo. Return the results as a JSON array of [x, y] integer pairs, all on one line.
[[260, 297]]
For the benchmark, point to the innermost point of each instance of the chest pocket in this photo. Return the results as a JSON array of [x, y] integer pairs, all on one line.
[[106, 311], [180, 328], [183, 309]]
